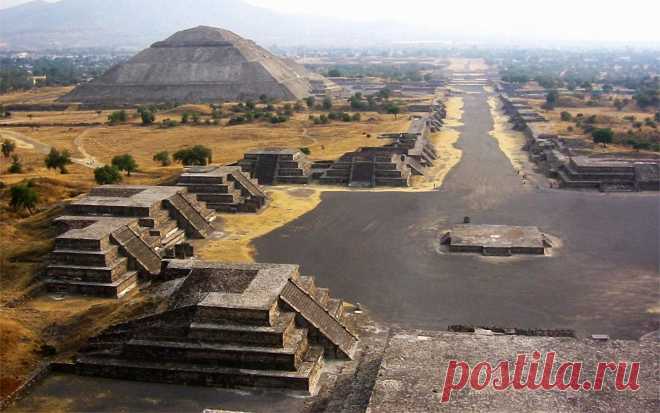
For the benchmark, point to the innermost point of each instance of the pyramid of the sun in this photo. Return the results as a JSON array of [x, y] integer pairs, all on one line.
[[203, 64]]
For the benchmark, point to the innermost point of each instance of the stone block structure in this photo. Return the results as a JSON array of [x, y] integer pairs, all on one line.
[[224, 188], [273, 166], [572, 160], [610, 174], [409, 153], [227, 325], [116, 233], [495, 240]]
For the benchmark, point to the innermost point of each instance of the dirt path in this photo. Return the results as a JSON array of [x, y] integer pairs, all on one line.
[[25, 142]]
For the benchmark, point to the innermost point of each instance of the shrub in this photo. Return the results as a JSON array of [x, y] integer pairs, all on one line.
[[23, 196], [603, 135], [197, 155], [16, 167], [8, 147], [119, 116], [58, 160], [168, 123], [147, 116], [305, 150], [107, 175], [163, 157], [566, 116]]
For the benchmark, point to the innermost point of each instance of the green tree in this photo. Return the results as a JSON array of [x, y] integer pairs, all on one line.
[[334, 73], [163, 157], [566, 116], [107, 175], [603, 135], [306, 151], [310, 101], [394, 110], [185, 117], [552, 98], [23, 196], [195, 117], [327, 103], [356, 117], [8, 147], [16, 166], [263, 99], [147, 116], [58, 160], [197, 155], [125, 163]]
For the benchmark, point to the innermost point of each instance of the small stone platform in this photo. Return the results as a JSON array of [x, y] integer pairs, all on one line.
[[224, 188], [273, 166], [495, 240]]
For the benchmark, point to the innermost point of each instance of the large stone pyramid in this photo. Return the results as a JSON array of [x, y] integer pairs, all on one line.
[[203, 64]]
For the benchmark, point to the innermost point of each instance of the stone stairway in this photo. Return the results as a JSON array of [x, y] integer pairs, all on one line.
[[189, 216], [318, 316], [130, 243]]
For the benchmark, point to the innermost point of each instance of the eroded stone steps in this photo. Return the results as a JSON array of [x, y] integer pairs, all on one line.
[[305, 378], [89, 273], [89, 258], [116, 289], [287, 357], [277, 335]]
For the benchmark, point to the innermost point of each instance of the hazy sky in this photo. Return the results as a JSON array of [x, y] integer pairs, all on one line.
[[580, 20]]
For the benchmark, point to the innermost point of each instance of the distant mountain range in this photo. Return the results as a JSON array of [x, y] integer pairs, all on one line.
[[136, 24]]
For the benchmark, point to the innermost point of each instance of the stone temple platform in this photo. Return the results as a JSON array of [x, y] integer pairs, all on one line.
[[227, 325], [224, 188], [117, 233], [498, 240]]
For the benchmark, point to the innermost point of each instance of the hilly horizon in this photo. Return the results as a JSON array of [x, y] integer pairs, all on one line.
[[128, 24]]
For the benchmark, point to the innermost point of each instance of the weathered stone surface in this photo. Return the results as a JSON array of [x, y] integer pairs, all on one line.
[[414, 367], [203, 64]]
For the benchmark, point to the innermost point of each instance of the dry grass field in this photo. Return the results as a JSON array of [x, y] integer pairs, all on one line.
[[39, 95]]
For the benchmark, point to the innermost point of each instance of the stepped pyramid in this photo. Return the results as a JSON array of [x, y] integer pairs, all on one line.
[[203, 64], [227, 325]]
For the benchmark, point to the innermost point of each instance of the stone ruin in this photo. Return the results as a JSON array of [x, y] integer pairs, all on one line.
[[227, 325], [203, 64], [273, 166], [117, 233], [224, 188], [394, 164], [496, 240], [572, 161]]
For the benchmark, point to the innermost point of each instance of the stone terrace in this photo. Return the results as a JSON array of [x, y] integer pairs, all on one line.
[[116, 233], [224, 188], [272, 166], [227, 325]]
